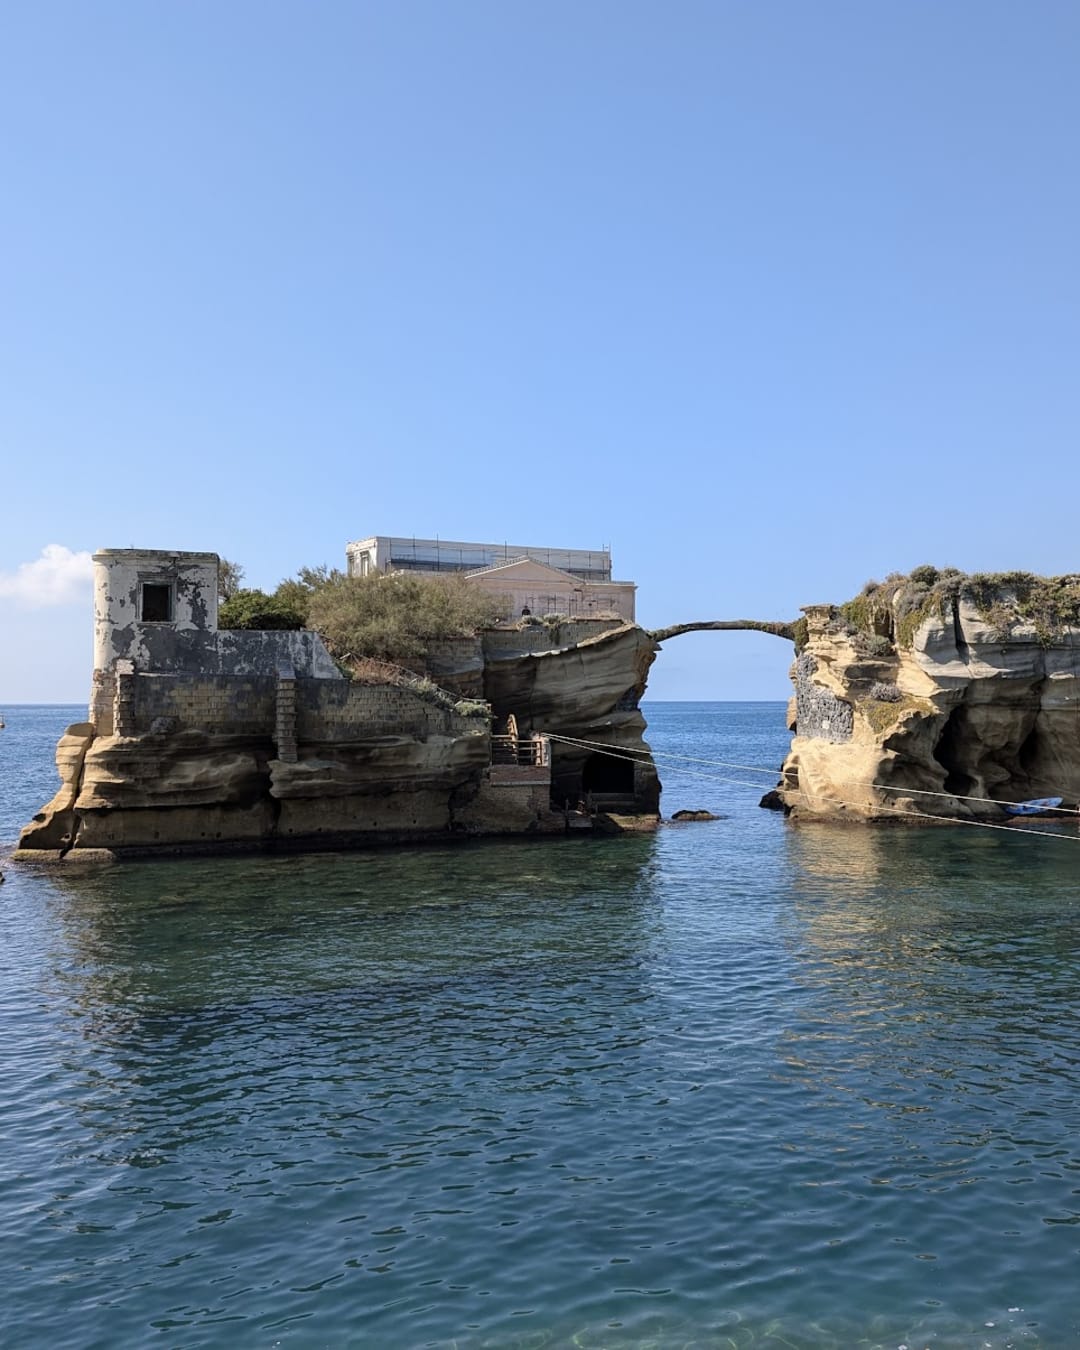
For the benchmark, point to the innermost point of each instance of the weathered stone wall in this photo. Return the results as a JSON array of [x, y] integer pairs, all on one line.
[[164, 650], [102, 698], [820, 714], [457, 664], [507, 806], [220, 704], [326, 711], [329, 711]]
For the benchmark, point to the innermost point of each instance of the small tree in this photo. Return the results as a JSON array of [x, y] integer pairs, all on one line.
[[230, 579], [295, 593]]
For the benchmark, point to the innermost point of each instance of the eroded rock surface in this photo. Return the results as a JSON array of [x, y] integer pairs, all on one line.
[[213, 761], [54, 825], [587, 698], [949, 710]]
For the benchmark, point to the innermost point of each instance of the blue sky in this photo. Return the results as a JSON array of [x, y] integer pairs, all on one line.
[[772, 298]]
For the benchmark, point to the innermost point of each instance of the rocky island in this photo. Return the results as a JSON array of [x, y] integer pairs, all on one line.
[[204, 738], [933, 696], [936, 695]]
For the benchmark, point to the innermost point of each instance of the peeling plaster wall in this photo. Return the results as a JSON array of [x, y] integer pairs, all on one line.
[[251, 653], [118, 576], [190, 642], [159, 649]]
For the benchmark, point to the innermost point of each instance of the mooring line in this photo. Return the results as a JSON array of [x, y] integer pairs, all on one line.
[[631, 757], [772, 773]]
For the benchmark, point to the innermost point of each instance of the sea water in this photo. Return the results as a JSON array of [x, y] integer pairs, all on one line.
[[736, 1084]]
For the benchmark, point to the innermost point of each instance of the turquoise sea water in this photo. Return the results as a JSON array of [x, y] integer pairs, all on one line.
[[736, 1084]]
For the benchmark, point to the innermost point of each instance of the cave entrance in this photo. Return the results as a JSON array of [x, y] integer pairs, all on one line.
[[946, 752], [1029, 751], [607, 776]]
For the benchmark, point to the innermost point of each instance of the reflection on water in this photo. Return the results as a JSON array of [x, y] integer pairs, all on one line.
[[228, 932], [396, 961], [733, 1085], [937, 1044]]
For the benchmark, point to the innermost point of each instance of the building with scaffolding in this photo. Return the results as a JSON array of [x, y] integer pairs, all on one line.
[[535, 580]]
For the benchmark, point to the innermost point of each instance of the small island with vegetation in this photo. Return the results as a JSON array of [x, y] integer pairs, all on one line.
[[345, 710], [934, 695], [341, 711]]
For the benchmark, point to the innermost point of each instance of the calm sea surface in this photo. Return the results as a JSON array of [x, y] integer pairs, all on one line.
[[733, 1085]]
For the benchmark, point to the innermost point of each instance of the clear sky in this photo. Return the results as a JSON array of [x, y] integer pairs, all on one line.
[[770, 297]]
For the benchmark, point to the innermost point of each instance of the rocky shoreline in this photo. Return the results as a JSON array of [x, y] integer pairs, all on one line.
[[930, 698], [936, 698]]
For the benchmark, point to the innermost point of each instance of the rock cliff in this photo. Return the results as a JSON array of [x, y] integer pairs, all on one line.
[[937, 695], [575, 679], [587, 692], [210, 761], [932, 696]]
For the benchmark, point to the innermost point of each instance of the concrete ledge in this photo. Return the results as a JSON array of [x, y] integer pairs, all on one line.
[[513, 775]]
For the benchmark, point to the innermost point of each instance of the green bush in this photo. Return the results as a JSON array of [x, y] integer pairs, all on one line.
[[256, 609], [472, 707], [230, 579], [873, 644], [1049, 604], [898, 608], [858, 614], [883, 714], [394, 617]]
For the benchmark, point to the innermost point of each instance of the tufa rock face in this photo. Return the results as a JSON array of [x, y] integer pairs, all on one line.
[[582, 679], [587, 693], [54, 826], [199, 790], [942, 707], [214, 762]]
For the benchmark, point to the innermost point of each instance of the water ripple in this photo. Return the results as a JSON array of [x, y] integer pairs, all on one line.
[[742, 1087]]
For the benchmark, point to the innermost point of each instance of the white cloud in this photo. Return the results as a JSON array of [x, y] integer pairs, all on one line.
[[58, 577]]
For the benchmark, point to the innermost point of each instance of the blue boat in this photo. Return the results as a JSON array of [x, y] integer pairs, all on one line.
[[1033, 808]]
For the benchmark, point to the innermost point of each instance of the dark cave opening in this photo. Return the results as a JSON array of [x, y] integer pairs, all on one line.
[[946, 752], [1029, 752], [606, 774]]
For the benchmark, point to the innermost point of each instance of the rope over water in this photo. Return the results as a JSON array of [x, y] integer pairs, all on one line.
[[646, 756]]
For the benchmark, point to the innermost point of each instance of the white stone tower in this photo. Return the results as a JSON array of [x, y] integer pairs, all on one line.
[[141, 596]]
